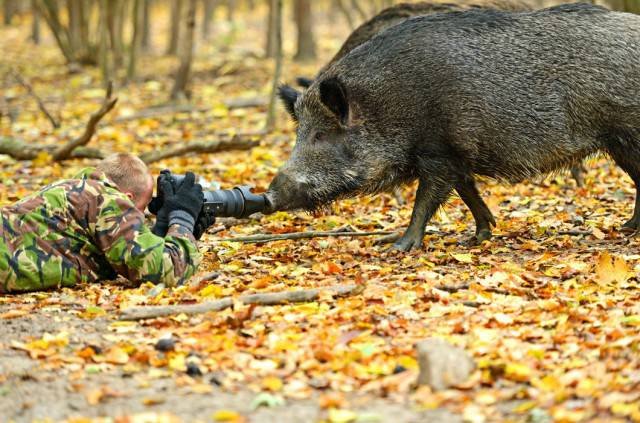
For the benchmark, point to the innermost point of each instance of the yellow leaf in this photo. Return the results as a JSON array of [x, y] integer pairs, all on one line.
[[609, 270], [177, 362], [272, 383], [408, 362], [211, 291], [341, 416], [463, 258], [586, 387], [117, 355], [227, 416], [517, 372], [548, 383], [42, 159], [633, 320]]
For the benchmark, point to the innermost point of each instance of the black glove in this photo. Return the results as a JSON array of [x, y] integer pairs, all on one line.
[[156, 206], [204, 221], [185, 203]]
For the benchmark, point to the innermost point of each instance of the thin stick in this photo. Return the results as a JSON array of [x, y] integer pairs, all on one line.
[[258, 239], [269, 298], [65, 151], [54, 122]]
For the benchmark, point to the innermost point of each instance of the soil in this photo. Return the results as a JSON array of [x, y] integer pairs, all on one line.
[[30, 391]]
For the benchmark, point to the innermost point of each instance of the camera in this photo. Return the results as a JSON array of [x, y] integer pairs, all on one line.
[[238, 202]]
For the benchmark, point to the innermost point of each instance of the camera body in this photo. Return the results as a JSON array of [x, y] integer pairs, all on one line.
[[238, 202]]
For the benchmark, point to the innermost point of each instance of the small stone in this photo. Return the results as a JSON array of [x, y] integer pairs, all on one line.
[[442, 365], [399, 369], [193, 369], [165, 344]]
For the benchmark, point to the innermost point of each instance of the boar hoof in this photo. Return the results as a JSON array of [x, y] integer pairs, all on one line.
[[387, 239], [630, 227], [407, 243], [483, 235]]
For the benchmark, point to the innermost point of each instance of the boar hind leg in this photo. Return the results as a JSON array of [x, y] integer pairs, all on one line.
[[468, 192], [430, 196], [626, 154]]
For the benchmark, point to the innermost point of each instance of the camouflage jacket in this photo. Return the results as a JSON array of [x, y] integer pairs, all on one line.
[[85, 230]]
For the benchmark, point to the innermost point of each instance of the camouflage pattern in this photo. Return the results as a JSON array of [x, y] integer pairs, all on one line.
[[85, 230]]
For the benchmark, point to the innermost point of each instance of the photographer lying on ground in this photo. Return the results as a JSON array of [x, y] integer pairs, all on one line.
[[92, 228]]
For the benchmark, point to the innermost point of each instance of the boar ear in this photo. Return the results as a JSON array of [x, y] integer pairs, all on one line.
[[288, 95], [334, 95]]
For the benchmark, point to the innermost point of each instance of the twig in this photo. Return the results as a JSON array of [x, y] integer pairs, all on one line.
[[65, 151], [54, 122], [258, 239], [237, 142], [452, 288], [269, 298], [575, 233]]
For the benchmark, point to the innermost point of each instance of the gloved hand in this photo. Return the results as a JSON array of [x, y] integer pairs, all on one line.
[[156, 207], [204, 221], [185, 203]]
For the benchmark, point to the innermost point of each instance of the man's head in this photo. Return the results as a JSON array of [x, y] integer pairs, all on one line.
[[131, 176]]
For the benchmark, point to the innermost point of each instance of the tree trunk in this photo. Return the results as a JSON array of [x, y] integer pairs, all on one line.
[[304, 23], [345, 12], [35, 23], [207, 17], [74, 11], [231, 10], [270, 48], [115, 21], [137, 22], [176, 13], [186, 55], [356, 5], [10, 9], [632, 6], [146, 30], [104, 56], [49, 11], [276, 6]]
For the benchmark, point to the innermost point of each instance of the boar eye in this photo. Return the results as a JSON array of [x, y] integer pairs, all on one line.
[[319, 136]]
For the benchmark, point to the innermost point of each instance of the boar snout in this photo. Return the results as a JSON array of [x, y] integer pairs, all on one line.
[[286, 193]]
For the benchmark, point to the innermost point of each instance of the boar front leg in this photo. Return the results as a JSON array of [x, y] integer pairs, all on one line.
[[468, 192], [430, 196]]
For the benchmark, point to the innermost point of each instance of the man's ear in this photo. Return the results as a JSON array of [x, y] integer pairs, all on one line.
[[333, 94], [129, 195], [289, 95]]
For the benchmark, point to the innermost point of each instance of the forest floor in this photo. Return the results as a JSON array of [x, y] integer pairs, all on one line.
[[548, 309]]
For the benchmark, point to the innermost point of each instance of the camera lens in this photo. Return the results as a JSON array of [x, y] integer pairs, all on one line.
[[238, 202]]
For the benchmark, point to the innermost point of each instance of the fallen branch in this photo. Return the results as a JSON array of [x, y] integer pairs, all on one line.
[[245, 102], [269, 298], [152, 112], [258, 239], [65, 151], [452, 288], [32, 93], [20, 150], [575, 232], [170, 109], [237, 142]]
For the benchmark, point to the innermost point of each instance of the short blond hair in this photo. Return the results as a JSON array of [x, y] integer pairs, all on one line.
[[127, 171]]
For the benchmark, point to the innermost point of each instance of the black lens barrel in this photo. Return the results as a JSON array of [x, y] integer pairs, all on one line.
[[238, 202]]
